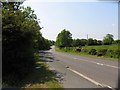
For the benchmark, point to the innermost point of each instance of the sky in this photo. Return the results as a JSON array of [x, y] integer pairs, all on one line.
[[95, 18]]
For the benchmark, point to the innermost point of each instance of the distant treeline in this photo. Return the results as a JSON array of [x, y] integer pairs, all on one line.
[[21, 40], [64, 39]]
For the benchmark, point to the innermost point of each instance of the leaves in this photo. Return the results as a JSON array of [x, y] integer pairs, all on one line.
[[21, 39], [108, 39], [64, 39]]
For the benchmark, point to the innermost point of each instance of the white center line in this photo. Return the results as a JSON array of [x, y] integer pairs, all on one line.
[[99, 63], [75, 58]]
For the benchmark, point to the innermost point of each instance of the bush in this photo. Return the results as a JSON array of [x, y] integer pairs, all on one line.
[[117, 54], [78, 50], [85, 50], [93, 52], [101, 52], [109, 53], [21, 39], [113, 53]]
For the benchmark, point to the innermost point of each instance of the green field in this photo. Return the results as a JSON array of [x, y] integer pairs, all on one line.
[[111, 52], [99, 47]]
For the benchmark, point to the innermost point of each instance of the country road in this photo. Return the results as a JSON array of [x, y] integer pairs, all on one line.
[[82, 72]]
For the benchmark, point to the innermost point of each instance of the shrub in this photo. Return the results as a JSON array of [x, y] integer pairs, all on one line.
[[101, 52], [113, 53], [93, 52], [78, 50], [117, 54], [109, 53], [84, 50]]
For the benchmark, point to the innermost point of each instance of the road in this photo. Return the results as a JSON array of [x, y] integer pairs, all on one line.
[[82, 72]]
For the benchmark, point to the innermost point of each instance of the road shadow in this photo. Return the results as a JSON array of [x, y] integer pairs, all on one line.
[[40, 75], [46, 56]]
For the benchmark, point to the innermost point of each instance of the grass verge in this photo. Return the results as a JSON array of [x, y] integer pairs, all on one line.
[[42, 77], [85, 54]]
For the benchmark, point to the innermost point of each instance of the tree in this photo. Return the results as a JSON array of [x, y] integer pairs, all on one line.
[[90, 41], [43, 44], [21, 39], [108, 39], [52, 42], [99, 42], [76, 43], [64, 39], [83, 42], [116, 42], [94, 42]]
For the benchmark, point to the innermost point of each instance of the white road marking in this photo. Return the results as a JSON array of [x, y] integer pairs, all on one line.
[[91, 80], [112, 66], [109, 87], [75, 58], [100, 63]]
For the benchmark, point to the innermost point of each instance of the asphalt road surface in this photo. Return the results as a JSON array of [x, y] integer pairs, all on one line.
[[82, 72]]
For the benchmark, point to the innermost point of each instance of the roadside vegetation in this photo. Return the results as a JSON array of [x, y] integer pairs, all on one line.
[[21, 42], [108, 47], [40, 77]]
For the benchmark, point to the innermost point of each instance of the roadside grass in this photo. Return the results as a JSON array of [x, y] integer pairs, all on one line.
[[88, 55], [40, 77]]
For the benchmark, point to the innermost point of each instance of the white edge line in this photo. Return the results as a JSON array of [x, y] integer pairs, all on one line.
[[91, 80]]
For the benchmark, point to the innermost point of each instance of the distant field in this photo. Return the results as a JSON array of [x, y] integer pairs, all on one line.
[[108, 47], [103, 51]]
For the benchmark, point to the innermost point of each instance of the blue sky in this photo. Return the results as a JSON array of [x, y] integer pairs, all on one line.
[[81, 18]]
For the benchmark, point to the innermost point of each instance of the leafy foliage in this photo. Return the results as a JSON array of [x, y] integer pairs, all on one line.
[[76, 42], [83, 42], [108, 39], [21, 40], [64, 39], [101, 52], [116, 42], [99, 42], [90, 41], [93, 52]]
